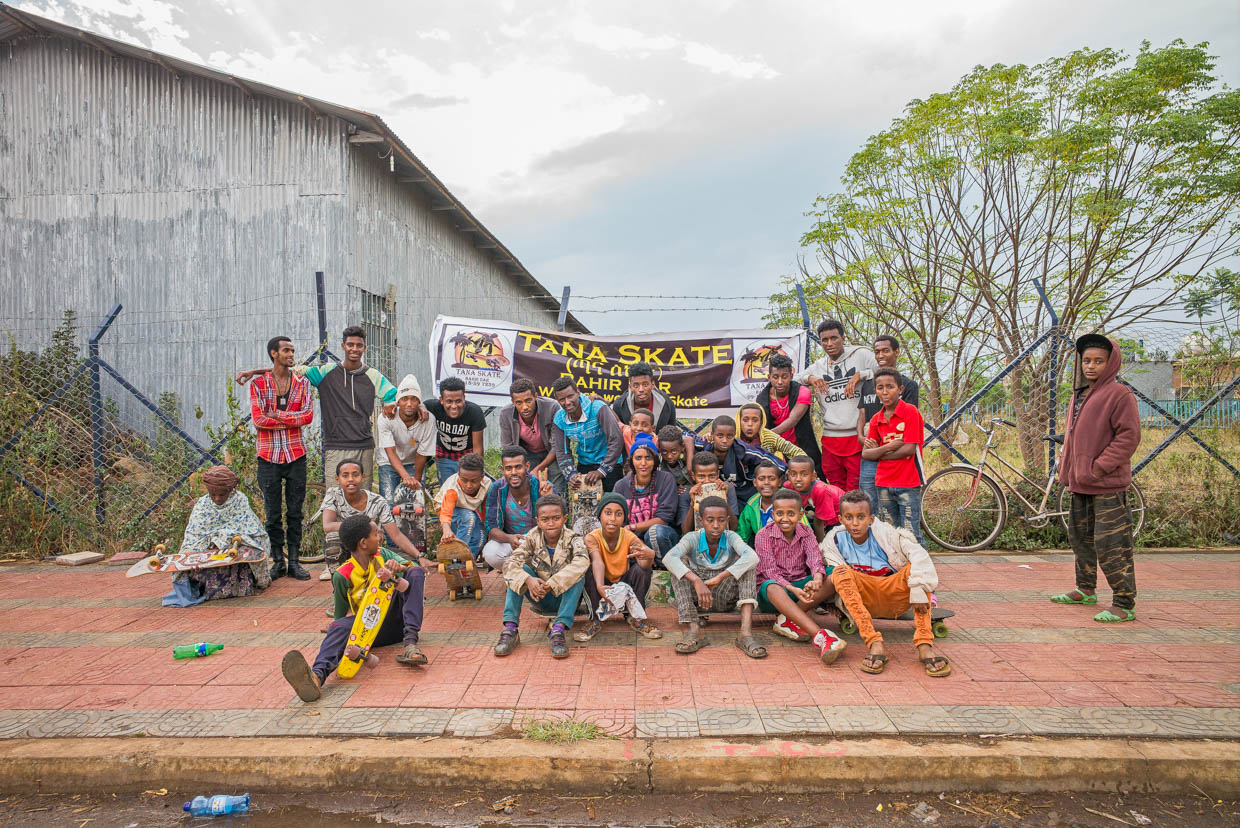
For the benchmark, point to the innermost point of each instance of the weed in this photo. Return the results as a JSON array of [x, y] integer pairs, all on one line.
[[565, 732]]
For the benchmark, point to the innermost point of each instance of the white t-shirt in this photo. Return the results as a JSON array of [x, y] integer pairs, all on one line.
[[409, 441]]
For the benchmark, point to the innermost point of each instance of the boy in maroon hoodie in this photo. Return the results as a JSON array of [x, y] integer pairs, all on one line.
[[1101, 433]]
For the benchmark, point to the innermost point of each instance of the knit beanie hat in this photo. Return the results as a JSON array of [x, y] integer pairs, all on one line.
[[643, 440], [612, 497]]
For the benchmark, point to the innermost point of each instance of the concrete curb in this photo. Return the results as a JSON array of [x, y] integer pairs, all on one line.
[[726, 764]]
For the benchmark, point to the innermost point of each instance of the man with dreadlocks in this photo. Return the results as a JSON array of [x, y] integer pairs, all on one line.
[[220, 515]]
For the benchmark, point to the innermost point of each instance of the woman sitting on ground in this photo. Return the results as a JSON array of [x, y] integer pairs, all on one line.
[[220, 515]]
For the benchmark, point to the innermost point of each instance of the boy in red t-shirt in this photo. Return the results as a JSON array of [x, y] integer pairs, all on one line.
[[894, 439], [819, 501]]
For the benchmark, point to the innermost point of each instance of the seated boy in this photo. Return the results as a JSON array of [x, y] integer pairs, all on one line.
[[705, 470], [751, 423], [550, 566], [676, 455], [349, 497], [737, 460], [462, 503], [819, 501], [757, 512], [510, 506], [880, 570], [791, 576], [713, 569], [360, 537], [617, 556], [893, 440]]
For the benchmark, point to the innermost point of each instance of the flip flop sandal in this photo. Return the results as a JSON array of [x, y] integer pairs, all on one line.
[[1108, 617], [1066, 598], [938, 672], [687, 645], [874, 663], [750, 647]]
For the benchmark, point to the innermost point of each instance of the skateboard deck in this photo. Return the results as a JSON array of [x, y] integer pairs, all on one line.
[[367, 623], [163, 561], [582, 503], [938, 618], [409, 509], [456, 564], [708, 490]]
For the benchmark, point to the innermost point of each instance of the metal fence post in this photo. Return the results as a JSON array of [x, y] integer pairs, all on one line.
[[1053, 380], [563, 317], [96, 415], [804, 320]]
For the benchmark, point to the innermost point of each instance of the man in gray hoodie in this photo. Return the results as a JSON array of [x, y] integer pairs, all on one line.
[[835, 379]]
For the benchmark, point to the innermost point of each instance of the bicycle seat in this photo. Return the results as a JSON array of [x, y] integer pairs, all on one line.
[[1054, 438]]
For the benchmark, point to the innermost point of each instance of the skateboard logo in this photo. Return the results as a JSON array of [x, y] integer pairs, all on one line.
[[370, 616], [478, 349], [755, 362]]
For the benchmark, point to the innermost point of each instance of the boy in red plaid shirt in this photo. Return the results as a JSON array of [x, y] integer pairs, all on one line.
[[281, 406]]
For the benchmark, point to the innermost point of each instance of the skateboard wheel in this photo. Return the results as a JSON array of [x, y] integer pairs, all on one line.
[[477, 595], [939, 629], [848, 627], [469, 566], [441, 569], [452, 595]]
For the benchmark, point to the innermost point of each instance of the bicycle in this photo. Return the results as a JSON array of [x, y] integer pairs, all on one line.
[[964, 507]]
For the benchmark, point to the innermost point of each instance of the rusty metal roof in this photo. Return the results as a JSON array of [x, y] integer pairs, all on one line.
[[368, 128]]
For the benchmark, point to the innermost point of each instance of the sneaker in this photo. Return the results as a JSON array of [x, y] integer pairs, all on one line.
[[412, 654], [829, 646], [508, 641], [326, 575], [788, 629], [582, 636], [300, 677], [559, 646]]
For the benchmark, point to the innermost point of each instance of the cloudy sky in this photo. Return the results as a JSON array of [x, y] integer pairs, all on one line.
[[643, 148]]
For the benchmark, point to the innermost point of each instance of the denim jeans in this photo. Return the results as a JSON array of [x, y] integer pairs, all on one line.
[[903, 508], [447, 468], [564, 606], [389, 479], [467, 526], [661, 538], [283, 483], [869, 468]]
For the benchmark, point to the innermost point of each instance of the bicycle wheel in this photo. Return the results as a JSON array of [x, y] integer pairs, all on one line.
[[1136, 507], [312, 527], [962, 510]]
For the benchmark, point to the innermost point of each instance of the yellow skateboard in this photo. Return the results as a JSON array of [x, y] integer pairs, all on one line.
[[367, 622]]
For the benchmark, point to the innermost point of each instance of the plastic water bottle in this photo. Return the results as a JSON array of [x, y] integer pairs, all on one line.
[[202, 648], [217, 805]]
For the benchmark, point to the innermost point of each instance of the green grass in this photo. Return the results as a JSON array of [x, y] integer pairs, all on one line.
[[562, 733]]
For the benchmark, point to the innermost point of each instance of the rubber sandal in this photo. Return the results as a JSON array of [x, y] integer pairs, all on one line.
[[750, 647], [1108, 617], [867, 663], [1066, 598], [688, 645], [940, 672]]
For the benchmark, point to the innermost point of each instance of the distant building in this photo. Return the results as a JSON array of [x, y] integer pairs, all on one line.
[[204, 203], [1153, 379]]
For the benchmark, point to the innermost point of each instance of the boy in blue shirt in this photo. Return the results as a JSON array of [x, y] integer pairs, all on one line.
[[592, 426]]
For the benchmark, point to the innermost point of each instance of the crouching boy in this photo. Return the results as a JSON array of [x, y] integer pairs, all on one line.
[[713, 569], [549, 566], [881, 571], [360, 538]]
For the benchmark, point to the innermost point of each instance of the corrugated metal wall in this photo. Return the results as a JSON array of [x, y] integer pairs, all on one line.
[[205, 213]]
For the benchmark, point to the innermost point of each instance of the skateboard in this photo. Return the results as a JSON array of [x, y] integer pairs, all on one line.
[[937, 619], [708, 490], [582, 503], [164, 561], [367, 623], [409, 509], [456, 565]]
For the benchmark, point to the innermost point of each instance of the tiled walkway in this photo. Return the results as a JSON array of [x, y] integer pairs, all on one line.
[[87, 652]]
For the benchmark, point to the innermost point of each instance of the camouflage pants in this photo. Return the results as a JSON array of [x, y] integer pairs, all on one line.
[[1100, 529]]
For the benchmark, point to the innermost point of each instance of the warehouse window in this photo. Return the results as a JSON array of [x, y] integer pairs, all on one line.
[[379, 322]]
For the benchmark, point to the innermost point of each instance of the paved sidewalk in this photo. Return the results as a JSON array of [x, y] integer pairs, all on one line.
[[87, 652]]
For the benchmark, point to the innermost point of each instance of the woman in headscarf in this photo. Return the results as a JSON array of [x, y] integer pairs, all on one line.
[[220, 515]]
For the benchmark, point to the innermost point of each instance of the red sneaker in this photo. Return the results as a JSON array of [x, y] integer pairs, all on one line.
[[829, 646], [788, 629]]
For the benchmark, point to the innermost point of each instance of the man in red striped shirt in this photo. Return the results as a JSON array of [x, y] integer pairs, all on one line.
[[281, 406]]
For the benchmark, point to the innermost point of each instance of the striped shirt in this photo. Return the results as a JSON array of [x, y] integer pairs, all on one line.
[[782, 561], [280, 431]]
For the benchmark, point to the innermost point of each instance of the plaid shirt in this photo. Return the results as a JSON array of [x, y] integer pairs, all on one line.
[[279, 432], [783, 562]]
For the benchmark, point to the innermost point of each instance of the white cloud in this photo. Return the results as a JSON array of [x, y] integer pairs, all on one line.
[[721, 63], [611, 38], [435, 34]]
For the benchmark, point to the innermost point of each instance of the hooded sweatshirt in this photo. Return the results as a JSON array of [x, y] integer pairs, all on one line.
[[1101, 432], [777, 447], [348, 402], [839, 412]]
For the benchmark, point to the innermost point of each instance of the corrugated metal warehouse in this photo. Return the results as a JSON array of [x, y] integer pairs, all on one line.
[[204, 203]]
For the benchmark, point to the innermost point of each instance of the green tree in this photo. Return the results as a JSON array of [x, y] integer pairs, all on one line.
[[1209, 357], [1111, 182]]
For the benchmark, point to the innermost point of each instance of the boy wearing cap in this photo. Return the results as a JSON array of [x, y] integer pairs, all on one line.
[[406, 442], [1101, 432], [617, 556]]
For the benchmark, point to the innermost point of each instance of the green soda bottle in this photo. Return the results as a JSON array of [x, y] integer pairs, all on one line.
[[198, 650]]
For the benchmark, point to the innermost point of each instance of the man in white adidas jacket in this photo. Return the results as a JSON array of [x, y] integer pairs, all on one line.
[[835, 379]]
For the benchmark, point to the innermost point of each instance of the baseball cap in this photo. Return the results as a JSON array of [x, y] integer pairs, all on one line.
[[1093, 340]]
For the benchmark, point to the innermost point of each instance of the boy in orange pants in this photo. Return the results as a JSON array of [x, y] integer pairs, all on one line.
[[881, 571]]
